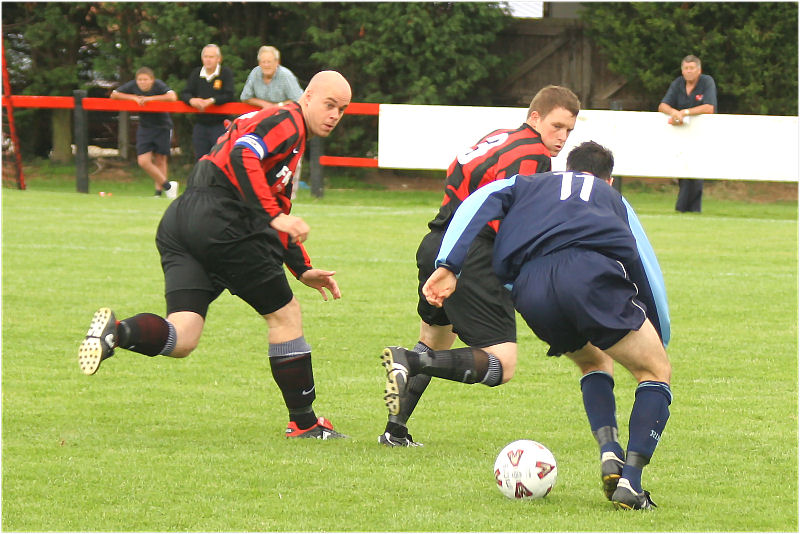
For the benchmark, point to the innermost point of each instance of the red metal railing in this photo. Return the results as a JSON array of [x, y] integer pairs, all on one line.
[[233, 108]]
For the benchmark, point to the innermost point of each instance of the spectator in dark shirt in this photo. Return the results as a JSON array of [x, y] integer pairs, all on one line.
[[210, 84], [154, 135], [692, 93]]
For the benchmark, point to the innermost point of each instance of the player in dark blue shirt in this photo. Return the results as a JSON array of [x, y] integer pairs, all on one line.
[[584, 277]]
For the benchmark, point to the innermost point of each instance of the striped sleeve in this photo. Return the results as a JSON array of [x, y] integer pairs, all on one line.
[[252, 152]]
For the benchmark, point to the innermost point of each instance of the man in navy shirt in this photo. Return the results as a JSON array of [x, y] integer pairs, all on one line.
[[583, 275], [692, 93], [154, 135]]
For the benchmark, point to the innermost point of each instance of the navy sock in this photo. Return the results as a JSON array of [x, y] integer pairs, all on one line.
[[648, 420], [601, 409]]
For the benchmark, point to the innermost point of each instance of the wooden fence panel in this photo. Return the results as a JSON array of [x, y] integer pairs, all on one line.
[[559, 51]]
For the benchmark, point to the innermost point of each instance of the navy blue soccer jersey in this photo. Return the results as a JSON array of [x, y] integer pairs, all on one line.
[[545, 213]]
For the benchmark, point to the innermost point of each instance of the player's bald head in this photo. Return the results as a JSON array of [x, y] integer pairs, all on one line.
[[326, 97], [330, 82]]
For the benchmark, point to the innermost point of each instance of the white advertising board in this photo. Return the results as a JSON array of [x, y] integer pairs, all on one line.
[[729, 147]]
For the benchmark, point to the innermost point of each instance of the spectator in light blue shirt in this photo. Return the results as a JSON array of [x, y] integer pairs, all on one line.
[[270, 83]]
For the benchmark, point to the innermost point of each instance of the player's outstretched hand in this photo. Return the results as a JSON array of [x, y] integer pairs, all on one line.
[[320, 280], [296, 227], [439, 286]]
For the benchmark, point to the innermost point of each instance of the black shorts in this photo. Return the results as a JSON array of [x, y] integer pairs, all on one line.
[[577, 295], [480, 310], [208, 243], [157, 140]]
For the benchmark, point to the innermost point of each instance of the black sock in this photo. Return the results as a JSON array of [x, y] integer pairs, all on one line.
[[416, 387], [291, 368], [303, 417], [146, 333], [396, 429], [467, 365]]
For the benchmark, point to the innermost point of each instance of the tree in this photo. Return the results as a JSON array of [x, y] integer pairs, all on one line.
[[413, 53], [46, 40], [416, 52], [750, 49], [408, 53]]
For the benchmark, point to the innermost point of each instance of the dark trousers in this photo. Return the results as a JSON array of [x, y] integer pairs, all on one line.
[[690, 195], [204, 136]]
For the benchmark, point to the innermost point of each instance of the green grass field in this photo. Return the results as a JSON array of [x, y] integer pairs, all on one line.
[[197, 444]]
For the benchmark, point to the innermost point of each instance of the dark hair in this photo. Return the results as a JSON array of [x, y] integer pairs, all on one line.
[[593, 158], [554, 96]]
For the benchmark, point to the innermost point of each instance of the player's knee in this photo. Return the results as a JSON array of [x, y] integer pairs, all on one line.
[[288, 314], [509, 368], [507, 356], [183, 348], [663, 370], [287, 319]]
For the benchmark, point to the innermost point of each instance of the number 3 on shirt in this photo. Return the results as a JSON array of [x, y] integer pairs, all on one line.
[[482, 148]]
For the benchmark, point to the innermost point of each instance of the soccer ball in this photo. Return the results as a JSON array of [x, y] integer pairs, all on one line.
[[525, 469]]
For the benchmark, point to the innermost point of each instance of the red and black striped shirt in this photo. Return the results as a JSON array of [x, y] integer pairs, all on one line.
[[498, 155], [258, 154]]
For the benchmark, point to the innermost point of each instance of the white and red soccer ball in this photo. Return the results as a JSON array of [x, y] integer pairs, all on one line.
[[525, 469]]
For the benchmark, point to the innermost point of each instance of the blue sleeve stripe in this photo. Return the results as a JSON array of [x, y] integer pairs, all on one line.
[[652, 271], [461, 231], [254, 143]]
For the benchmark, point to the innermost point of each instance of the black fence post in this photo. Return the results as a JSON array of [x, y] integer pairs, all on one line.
[[316, 148], [81, 144]]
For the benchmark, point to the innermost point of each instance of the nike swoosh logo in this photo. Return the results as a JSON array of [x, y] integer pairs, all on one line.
[[304, 392]]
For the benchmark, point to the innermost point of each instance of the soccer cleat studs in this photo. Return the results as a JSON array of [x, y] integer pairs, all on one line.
[[99, 342]]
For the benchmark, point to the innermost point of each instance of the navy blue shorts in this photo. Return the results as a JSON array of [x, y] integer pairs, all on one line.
[[156, 140], [575, 296], [480, 309]]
